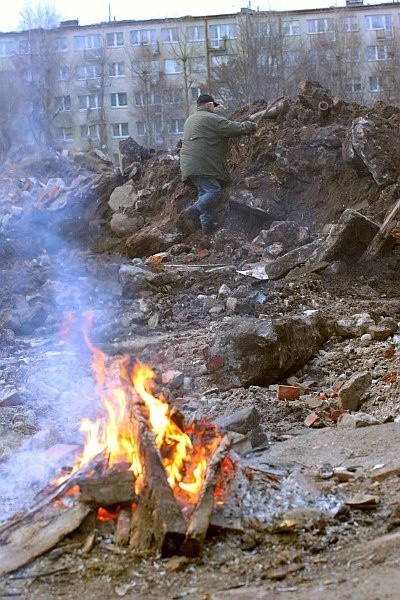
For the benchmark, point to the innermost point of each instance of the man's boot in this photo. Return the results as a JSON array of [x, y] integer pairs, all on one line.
[[188, 221]]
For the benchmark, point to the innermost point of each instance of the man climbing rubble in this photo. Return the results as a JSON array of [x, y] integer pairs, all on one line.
[[203, 161]]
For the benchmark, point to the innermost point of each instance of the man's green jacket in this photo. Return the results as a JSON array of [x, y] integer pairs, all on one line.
[[205, 144]]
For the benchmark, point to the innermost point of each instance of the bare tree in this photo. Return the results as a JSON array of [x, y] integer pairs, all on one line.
[[39, 16]]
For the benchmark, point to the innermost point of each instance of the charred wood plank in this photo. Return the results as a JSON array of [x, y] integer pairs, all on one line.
[[123, 529], [157, 522], [115, 486], [38, 534], [200, 519], [379, 239]]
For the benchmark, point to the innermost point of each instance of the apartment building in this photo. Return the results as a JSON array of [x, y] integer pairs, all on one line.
[[93, 85]]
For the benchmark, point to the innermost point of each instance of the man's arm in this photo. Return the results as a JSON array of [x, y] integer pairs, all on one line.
[[228, 128]]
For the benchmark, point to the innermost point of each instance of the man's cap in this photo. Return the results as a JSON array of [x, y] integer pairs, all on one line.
[[204, 98]]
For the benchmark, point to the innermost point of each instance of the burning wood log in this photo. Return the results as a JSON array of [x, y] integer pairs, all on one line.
[[115, 486], [38, 534], [200, 519], [157, 521]]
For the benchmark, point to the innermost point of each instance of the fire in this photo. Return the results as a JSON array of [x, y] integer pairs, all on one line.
[[184, 454]]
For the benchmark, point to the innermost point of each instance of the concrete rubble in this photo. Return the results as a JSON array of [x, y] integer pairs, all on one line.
[[274, 327]]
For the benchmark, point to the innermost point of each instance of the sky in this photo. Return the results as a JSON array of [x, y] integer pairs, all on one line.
[[95, 11]]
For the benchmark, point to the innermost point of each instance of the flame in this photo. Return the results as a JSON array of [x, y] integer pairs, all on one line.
[[184, 454]]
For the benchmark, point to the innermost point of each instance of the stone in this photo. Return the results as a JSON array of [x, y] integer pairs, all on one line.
[[124, 196], [263, 351], [122, 225], [242, 421], [351, 392], [354, 421], [354, 326], [348, 239]]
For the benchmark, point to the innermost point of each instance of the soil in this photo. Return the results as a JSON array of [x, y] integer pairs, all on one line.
[[303, 535]]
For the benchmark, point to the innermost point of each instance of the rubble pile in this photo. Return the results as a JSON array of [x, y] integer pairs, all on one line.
[[282, 327]]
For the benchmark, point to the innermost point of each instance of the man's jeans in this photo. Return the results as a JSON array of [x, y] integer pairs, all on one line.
[[208, 194]]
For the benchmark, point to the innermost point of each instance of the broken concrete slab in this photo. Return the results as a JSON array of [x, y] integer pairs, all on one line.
[[258, 351], [348, 239]]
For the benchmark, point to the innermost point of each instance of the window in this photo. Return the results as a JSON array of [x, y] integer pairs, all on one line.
[[144, 67], [140, 128], [352, 54], [89, 101], [172, 66], [60, 44], [291, 58], [176, 125], [377, 53], [116, 69], [63, 74], [321, 56], [321, 26], [373, 22], [115, 39], [170, 35], [143, 36], [87, 42], [375, 84], [62, 103], [88, 71], [196, 33], [219, 61], [350, 23], [174, 96], [90, 132], [353, 85], [261, 28], [197, 65], [219, 33], [152, 98], [64, 134], [6, 48], [120, 130], [291, 28], [28, 47], [119, 99], [195, 93], [158, 132]]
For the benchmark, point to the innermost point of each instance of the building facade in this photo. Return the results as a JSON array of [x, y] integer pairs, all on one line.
[[91, 86]]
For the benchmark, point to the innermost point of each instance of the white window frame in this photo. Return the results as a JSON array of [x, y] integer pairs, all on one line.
[[352, 54], [91, 102], [218, 33], [61, 44], [291, 28], [170, 35], [143, 37], [174, 96], [196, 33], [291, 58], [350, 24], [87, 42], [115, 39], [89, 71], [116, 69], [7, 48], [375, 84], [198, 64], [90, 132], [63, 73], [377, 22], [118, 130], [141, 128], [377, 53], [119, 100], [62, 103], [175, 126], [321, 26], [172, 66], [353, 85], [67, 134]]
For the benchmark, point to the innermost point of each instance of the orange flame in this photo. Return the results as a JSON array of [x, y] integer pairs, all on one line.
[[184, 454]]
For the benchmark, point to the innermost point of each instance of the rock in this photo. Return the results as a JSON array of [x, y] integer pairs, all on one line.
[[356, 420], [173, 379], [354, 326], [283, 264], [123, 196], [312, 420], [352, 390], [258, 351], [371, 142], [122, 225], [289, 233], [241, 421], [363, 501]]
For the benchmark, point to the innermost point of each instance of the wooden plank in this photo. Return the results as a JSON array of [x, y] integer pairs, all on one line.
[[38, 534], [157, 522], [200, 519], [379, 239]]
